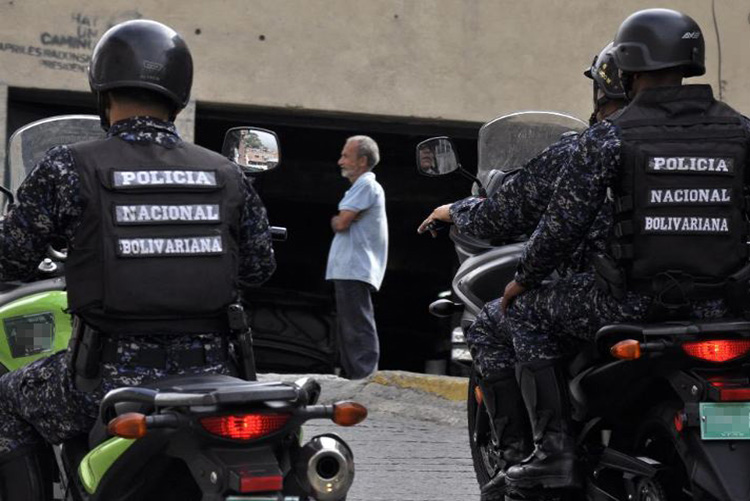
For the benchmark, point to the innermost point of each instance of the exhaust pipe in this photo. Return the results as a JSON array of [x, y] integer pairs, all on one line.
[[325, 467]]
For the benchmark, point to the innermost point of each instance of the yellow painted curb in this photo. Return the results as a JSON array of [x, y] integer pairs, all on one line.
[[448, 387]]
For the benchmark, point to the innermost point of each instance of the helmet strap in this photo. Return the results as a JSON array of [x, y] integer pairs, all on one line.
[[102, 103], [627, 85]]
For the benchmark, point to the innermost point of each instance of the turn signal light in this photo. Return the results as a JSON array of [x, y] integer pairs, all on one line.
[[246, 426], [478, 395], [130, 425], [629, 349], [718, 350], [348, 413]]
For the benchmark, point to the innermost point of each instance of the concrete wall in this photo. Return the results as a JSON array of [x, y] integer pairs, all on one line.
[[467, 60]]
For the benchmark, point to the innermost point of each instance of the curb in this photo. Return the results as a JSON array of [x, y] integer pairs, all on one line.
[[447, 387]]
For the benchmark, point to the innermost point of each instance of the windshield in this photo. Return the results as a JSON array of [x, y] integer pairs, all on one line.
[[28, 144], [508, 142]]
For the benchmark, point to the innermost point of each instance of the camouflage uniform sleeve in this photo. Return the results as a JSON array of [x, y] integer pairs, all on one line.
[[257, 262], [574, 204], [46, 210], [516, 207]]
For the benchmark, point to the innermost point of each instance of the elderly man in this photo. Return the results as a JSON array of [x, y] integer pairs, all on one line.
[[356, 261]]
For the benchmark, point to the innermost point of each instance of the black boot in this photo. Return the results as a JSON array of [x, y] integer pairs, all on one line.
[[510, 426], [552, 465], [26, 475]]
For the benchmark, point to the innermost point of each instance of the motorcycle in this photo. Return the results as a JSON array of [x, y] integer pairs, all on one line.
[[209, 437], [661, 411]]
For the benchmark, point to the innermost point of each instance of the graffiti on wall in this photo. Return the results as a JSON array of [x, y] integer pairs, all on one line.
[[68, 49]]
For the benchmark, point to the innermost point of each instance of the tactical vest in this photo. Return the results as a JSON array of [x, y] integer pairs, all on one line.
[[680, 195], [156, 250]]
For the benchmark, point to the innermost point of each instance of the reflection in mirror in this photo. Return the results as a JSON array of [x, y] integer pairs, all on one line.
[[436, 157], [253, 149]]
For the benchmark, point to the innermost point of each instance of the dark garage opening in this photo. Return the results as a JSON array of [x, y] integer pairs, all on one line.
[[303, 193]]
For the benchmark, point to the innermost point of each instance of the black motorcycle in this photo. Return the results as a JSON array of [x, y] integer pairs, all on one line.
[[662, 411]]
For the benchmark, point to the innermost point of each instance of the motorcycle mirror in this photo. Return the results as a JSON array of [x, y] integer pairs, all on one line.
[[253, 149], [436, 157]]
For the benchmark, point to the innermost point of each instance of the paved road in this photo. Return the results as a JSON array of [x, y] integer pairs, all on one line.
[[402, 459]]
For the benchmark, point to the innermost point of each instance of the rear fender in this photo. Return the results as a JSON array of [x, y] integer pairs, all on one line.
[[719, 467]]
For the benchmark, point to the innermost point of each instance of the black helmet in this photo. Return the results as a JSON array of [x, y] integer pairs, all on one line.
[[143, 54], [657, 39], [604, 72]]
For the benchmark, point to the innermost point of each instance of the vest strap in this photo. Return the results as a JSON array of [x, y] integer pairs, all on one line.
[[624, 229], [624, 204]]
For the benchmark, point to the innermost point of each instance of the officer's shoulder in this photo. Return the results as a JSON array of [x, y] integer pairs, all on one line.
[[567, 139], [569, 135], [601, 131], [216, 158], [196, 149], [57, 156]]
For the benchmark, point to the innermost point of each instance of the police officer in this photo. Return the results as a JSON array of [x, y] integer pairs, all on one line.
[[514, 210], [671, 166], [160, 234]]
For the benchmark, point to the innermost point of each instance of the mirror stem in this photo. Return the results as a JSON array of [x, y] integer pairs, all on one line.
[[472, 177]]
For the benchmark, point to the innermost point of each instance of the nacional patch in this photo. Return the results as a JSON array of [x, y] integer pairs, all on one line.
[[685, 225], [167, 247], [164, 178], [691, 165], [690, 196], [174, 213]]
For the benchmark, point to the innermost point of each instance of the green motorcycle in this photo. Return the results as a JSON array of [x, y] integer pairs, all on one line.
[[205, 438]]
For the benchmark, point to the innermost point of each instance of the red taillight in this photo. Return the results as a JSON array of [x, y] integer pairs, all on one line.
[[246, 426], [717, 350]]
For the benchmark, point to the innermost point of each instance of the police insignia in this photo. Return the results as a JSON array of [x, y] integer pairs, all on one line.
[[175, 213], [166, 247], [145, 178]]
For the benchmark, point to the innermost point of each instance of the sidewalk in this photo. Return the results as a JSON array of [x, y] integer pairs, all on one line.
[[426, 397]]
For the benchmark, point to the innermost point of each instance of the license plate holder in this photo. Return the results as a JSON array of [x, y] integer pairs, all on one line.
[[725, 420]]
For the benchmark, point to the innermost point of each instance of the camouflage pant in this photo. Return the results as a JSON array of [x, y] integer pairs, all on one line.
[[39, 403], [553, 319]]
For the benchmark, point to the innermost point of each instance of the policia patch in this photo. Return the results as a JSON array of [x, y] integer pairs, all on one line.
[[691, 165], [163, 178]]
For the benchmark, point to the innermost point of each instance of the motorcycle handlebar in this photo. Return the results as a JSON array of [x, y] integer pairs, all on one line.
[[138, 395]]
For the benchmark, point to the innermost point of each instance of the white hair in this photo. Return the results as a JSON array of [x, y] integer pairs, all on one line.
[[368, 148]]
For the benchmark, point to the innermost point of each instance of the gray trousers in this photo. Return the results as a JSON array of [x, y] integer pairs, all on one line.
[[359, 349]]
